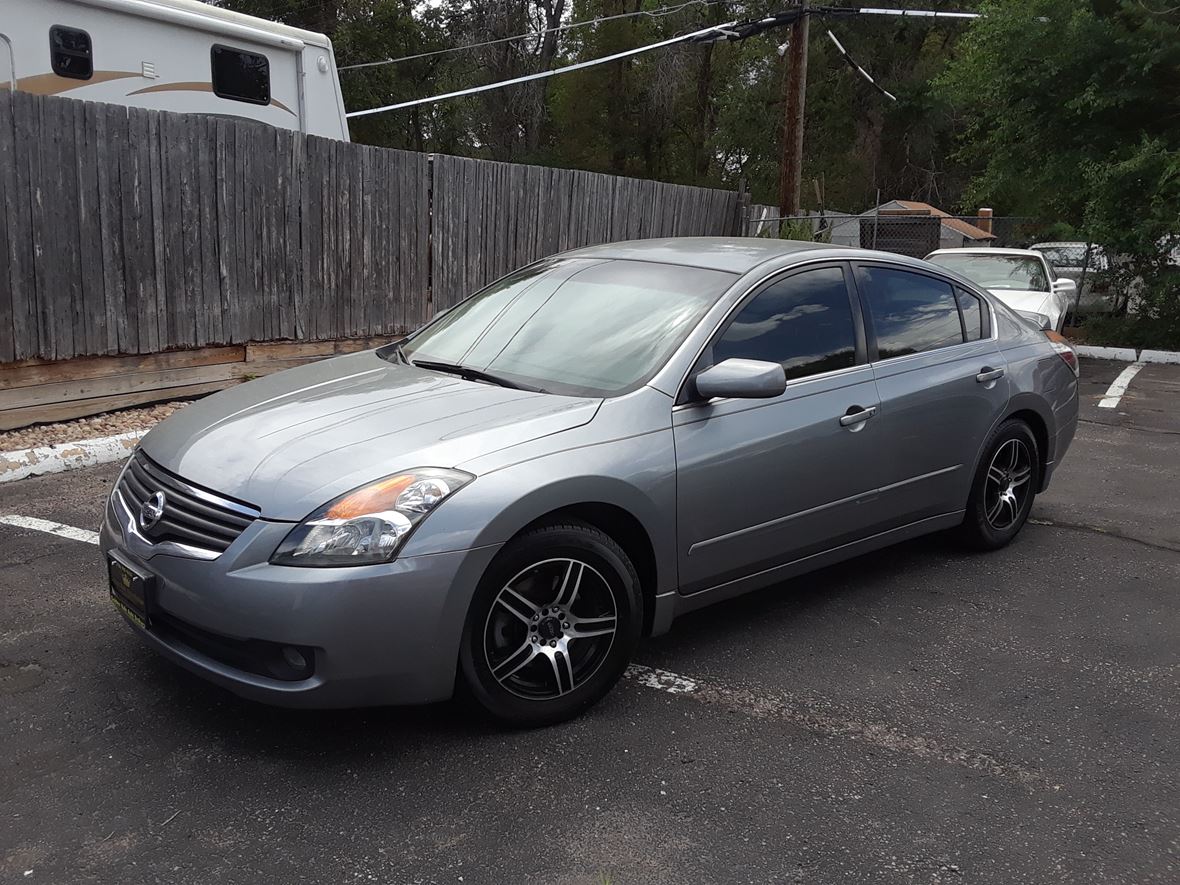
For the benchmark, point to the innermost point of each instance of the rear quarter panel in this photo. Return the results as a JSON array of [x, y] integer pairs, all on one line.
[[1041, 382]]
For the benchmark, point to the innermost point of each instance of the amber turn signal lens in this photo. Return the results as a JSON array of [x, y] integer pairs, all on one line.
[[1064, 350], [375, 498]]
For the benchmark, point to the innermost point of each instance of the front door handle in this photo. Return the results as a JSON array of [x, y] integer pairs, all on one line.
[[857, 415], [989, 374]]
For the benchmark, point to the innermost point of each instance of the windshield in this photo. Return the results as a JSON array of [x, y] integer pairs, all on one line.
[[574, 326], [998, 271]]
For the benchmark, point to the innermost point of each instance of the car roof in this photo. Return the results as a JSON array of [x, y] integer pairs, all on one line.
[[988, 250], [731, 254]]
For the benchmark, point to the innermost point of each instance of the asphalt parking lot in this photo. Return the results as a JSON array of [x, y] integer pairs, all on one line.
[[916, 715]]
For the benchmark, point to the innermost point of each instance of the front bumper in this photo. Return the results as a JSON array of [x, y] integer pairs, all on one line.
[[382, 634]]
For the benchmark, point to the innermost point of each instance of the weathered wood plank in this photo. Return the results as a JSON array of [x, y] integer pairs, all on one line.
[[12, 419], [156, 218], [8, 229], [114, 385], [79, 368], [210, 328], [111, 132]]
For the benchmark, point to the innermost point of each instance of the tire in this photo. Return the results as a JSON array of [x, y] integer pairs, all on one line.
[[553, 625], [1004, 486]]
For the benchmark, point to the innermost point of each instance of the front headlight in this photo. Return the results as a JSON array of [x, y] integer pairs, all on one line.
[[369, 524]]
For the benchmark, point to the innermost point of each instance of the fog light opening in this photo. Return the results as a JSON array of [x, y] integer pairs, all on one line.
[[296, 661]]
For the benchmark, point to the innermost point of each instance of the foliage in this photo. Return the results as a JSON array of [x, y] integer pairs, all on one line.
[[1065, 111], [1086, 131], [706, 114]]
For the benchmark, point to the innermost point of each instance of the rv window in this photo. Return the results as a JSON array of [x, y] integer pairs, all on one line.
[[240, 75], [69, 53]]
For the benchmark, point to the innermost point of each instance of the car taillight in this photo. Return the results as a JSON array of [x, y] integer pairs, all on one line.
[[1060, 344]]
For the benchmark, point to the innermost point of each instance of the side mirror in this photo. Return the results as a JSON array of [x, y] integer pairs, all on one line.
[[742, 379], [1065, 286]]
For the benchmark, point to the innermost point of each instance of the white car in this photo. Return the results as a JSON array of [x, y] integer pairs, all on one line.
[[1024, 279]]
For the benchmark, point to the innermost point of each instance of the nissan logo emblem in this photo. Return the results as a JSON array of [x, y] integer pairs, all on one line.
[[152, 510]]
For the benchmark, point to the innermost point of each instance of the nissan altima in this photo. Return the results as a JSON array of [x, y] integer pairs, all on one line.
[[505, 502]]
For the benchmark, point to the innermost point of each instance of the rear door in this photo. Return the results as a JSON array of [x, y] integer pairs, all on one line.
[[942, 385], [761, 482]]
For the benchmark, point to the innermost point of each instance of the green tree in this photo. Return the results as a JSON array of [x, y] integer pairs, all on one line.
[[1071, 114]]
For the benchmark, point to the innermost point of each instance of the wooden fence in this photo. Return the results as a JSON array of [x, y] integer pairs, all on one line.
[[491, 218], [126, 231], [130, 231]]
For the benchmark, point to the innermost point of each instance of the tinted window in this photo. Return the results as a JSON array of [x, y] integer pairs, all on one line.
[[910, 313], [70, 53], [803, 322], [575, 326], [241, 76], [972, 314]]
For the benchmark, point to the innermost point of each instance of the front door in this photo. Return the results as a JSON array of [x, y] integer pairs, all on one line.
[[761, 482], [942, 386]]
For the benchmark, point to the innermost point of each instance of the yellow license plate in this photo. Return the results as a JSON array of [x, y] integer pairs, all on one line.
[[129, 591]]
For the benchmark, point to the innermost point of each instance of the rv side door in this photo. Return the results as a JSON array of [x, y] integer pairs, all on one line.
[[7, 64]]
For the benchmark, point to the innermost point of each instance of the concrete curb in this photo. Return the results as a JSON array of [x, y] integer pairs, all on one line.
[[1124, 354], [1128, 355], [1160, 356], [67, 456]]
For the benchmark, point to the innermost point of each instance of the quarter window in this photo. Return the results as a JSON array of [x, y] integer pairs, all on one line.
[[70, 53], [972, 311], [241, 76], [911, 313], [803, 321]]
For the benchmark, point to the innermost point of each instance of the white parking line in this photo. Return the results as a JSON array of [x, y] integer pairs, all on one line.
[[52, 528], [1119, 387]]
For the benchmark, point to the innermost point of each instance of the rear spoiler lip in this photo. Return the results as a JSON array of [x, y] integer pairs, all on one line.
[[1039, 320]]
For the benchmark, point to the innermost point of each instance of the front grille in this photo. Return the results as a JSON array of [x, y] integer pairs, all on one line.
[[192, 515]]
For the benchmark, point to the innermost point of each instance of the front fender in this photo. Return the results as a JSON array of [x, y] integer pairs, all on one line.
[[636, 474]]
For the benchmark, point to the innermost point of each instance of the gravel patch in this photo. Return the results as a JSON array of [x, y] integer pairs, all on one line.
[[107, 424]]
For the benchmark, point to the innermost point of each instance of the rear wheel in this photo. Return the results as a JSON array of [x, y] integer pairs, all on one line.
[[1004, 487], [553, 625]]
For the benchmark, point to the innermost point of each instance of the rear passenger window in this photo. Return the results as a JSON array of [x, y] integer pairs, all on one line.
[[972, 314], [803, 321], [70, 53], [241, 76], [910, 313]]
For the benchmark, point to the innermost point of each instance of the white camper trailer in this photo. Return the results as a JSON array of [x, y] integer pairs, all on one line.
[[173, 55]]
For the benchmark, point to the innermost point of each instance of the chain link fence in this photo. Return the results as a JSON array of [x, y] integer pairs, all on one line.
[[914, 233]]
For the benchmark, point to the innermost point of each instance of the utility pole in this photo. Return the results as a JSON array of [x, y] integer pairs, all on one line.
[[794, 96]]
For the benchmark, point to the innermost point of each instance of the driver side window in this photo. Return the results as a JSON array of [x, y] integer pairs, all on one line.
[[803, 321]]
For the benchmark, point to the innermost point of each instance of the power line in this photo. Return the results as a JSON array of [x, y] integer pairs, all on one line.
[[848, 58], [652, 13], [734, 30], [541, 75]]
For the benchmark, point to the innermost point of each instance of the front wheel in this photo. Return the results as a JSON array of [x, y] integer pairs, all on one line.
[[552, 626], [1004, 487]]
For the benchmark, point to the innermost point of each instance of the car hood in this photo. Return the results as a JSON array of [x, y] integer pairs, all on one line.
[[1033, 302], [290, 442]]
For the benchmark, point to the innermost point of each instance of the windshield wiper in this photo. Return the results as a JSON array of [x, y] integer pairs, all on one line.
[[471, 374]]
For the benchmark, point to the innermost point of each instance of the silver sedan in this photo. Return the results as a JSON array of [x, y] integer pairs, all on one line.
[[505, 502]]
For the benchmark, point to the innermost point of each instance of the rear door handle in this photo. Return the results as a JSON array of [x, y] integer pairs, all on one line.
[[857, 415], [989, 374]]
